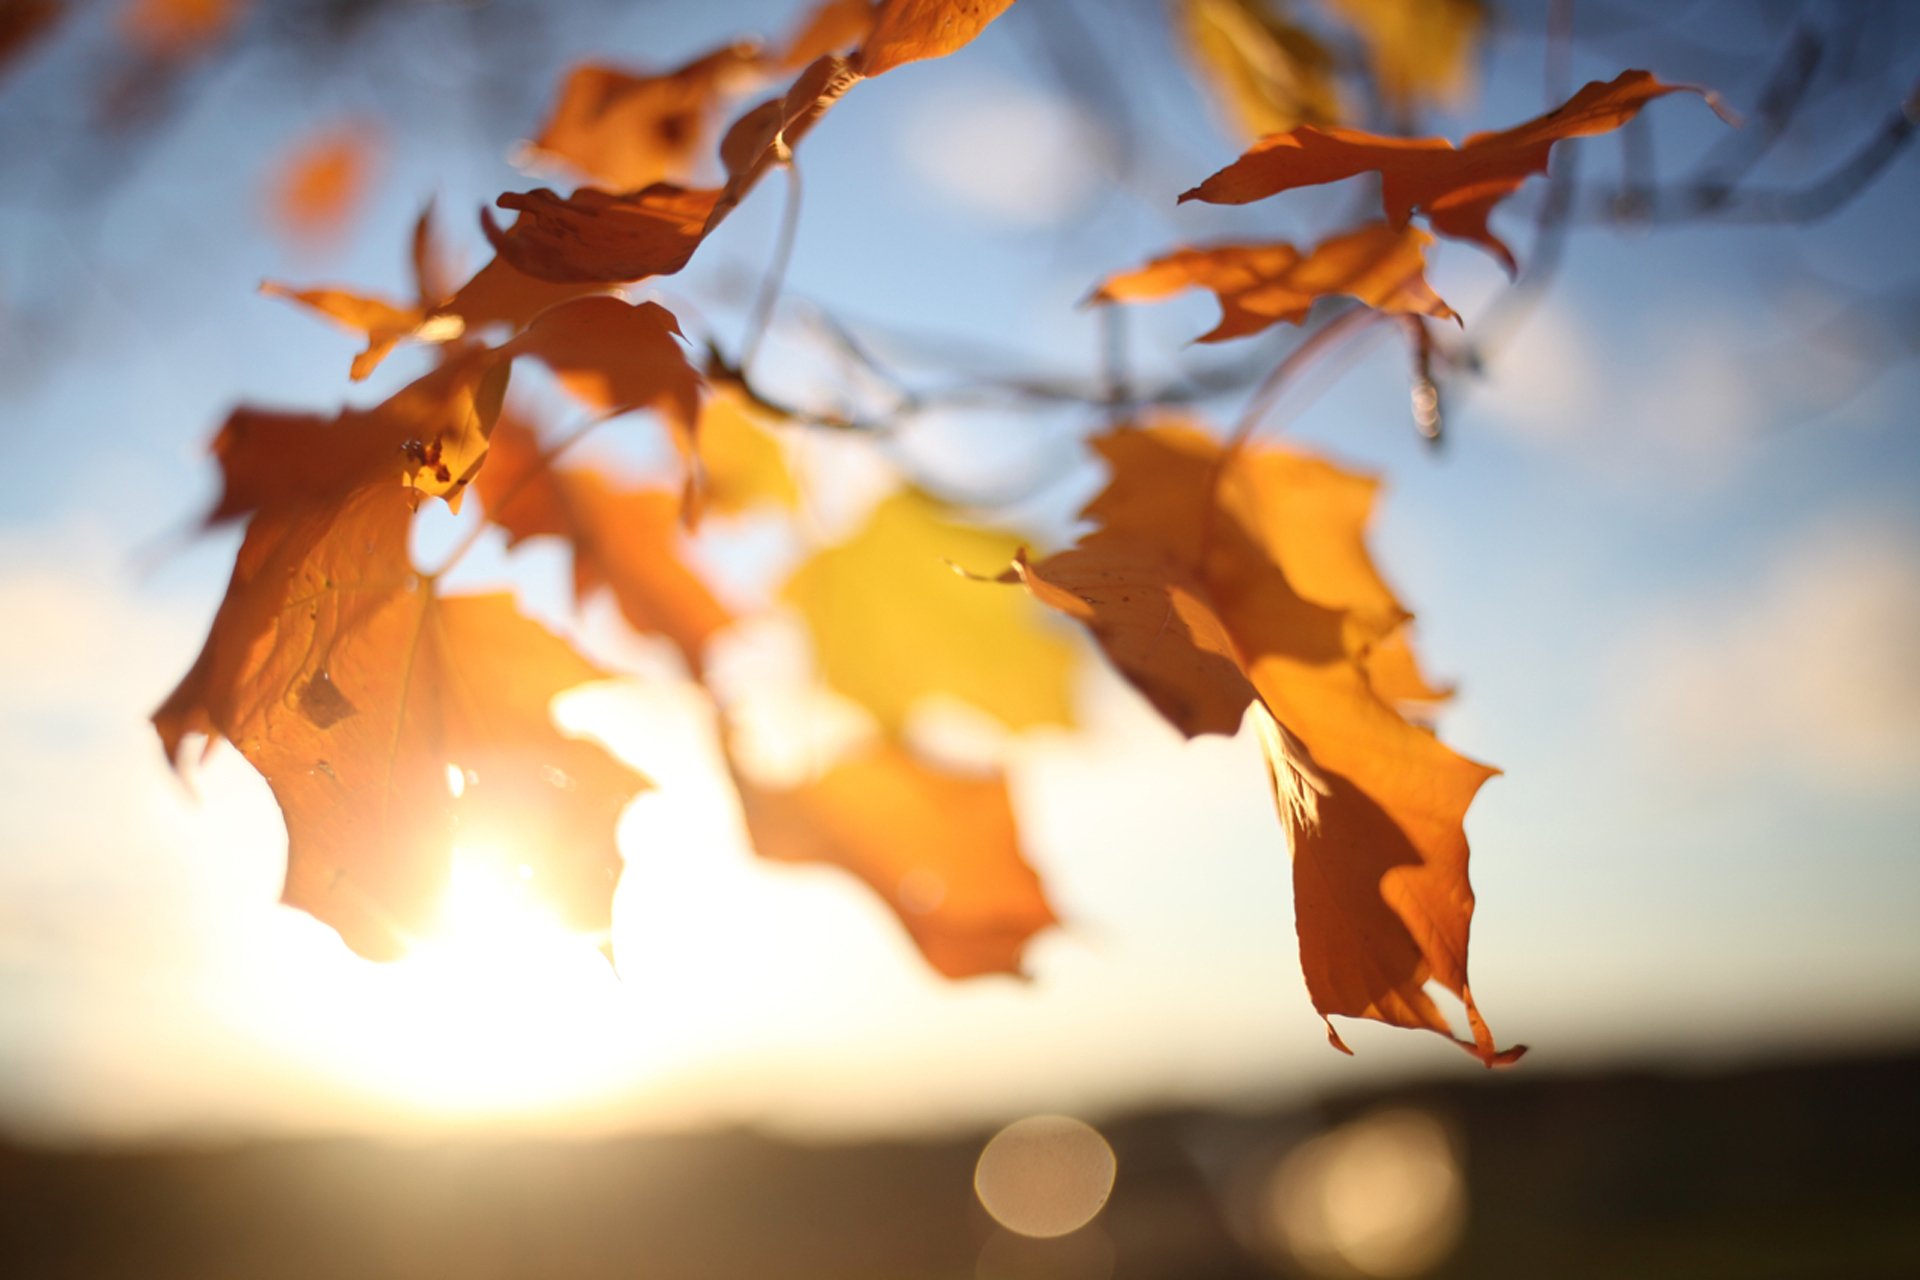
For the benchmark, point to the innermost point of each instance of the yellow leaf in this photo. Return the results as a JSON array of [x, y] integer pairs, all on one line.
[[742, 462], [894, 622], [1421, 50], [1267, 74]]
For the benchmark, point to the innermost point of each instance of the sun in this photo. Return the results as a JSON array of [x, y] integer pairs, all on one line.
[[503, 1010]]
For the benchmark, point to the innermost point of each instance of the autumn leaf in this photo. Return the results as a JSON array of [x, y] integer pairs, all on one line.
[[171, 30], [1260, 285], [625, 538], [742, 465], [496, 296], [1220, 580], [911, 30], [427, 438], [1456, 188], [25, 23], [361, 696], [939, 847], [627, 130], [322, 182], [893, 622], [1267, 74], [832, 26], [1421, 50], [596, 237]]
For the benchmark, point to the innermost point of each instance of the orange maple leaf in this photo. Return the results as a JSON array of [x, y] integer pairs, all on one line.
[[1260, 285], [1455, 187], [629, 130], [625, 538], [939, 847], [1219, 580], [360, 694]]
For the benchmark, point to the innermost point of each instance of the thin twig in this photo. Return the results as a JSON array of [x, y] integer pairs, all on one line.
[[769, 297], [540, 467]]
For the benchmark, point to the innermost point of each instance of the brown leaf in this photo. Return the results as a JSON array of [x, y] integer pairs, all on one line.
[[356, 692], [1264, 284], [940, 848], [625, 538], [1456, 188], [628, 130], [25, 23], [911, 30], [1221, 579], [594, 237]]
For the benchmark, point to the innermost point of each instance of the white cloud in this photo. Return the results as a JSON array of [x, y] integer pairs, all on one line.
[[1673, 402], [1810, 668], [1005, 151]]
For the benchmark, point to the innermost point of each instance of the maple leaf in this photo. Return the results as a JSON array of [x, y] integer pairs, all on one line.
[[428, 438], [1421, 50], [629, 130], [497, 295], [940, 848], [912, 30], [626, 539], [1267, 73], [892, 621], [322, 182], [359, 693], [598, 237], [431, 436], [1221, 580], [1456, 188], [1260, 285], [602, 237]]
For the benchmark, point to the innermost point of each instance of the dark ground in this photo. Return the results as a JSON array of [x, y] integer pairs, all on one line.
[[1806, 1170]]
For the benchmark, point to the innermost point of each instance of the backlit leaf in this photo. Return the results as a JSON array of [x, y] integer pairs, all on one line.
[[1260, 285], [626, 538], [355, 691], [1456, 188], [911, 30], [1217, 581], [939, 847], [628, 130], [893, 622]]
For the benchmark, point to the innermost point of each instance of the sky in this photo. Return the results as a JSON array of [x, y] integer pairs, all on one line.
[[1670, 552]]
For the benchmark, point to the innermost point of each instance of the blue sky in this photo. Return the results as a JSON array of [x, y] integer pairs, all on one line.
[[1671, 553]]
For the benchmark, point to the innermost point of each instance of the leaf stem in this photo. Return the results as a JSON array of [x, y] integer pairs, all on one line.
[[1267, 394], [761, 318]]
